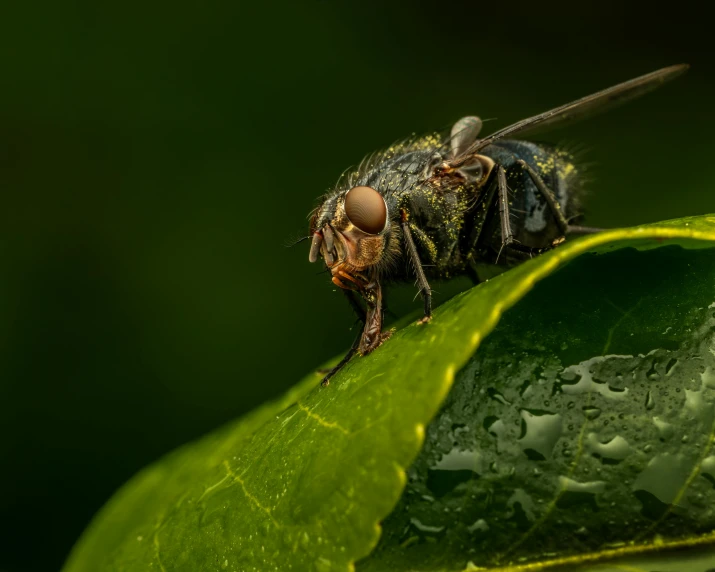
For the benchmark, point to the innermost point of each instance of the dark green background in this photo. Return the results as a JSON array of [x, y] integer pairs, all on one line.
[[155, 158]]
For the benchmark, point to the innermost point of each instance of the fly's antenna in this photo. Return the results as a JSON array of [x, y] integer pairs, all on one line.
[[290, 243]]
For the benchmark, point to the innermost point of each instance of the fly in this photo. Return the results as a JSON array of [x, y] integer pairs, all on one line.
[[432, 207]]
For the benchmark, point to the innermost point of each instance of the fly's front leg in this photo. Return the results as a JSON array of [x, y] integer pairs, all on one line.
[[358, 309], [355, 304], [342, 362], [372, 334], [425, 289]]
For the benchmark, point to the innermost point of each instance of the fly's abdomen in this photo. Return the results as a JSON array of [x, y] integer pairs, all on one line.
[[532, 220]]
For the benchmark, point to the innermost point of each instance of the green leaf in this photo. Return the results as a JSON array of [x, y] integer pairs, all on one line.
[[303, 482], [581, 429]]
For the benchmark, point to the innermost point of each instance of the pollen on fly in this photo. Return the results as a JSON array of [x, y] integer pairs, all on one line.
[[436, 206]]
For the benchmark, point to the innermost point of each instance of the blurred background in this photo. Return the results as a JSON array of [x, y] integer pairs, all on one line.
[[155, 159]]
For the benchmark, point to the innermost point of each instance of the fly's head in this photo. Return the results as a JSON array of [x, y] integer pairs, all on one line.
[[351, 232]]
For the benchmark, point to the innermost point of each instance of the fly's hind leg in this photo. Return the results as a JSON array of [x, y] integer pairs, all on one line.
[[561, 221], [580, 230], [548, 195], [425, 289]]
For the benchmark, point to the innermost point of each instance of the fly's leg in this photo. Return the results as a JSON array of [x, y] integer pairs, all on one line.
[[574, 229], [342, 362], [372, 335], [548, 195], [472, 273], [555, 207], [482, 210], [507, 235], [354, 304], [425, 289], [360, 312]]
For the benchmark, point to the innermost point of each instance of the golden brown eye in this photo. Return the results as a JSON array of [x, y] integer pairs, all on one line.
[[366, 209]]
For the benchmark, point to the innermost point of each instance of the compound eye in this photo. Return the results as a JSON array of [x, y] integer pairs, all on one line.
[[366, 209]]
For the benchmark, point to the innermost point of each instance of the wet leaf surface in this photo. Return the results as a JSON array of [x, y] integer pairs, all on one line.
[[584, 422], [303, 482]]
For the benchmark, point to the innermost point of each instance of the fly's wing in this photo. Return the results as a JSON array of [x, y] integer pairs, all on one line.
[[580, 108]]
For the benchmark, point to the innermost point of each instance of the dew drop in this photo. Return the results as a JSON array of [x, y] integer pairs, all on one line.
[[497, 396], [591, 413], [540, 432], [708, 377], [425, 527], [479, 525], [665, 429], [615, 449]]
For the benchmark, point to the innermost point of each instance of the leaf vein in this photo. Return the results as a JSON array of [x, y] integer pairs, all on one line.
[[320, 421], [249, 496]]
